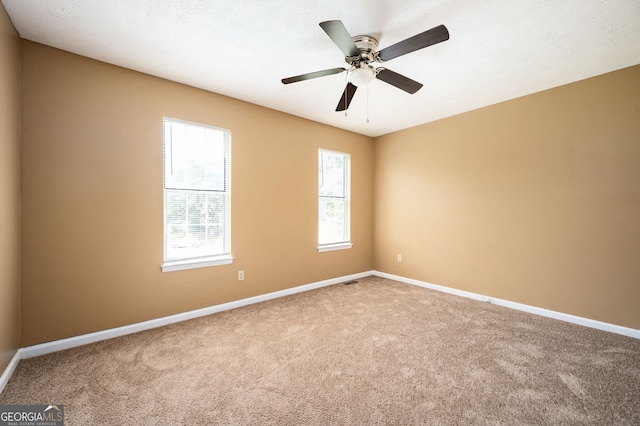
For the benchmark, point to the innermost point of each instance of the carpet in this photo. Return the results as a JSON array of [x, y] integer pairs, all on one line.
[[376, 352]]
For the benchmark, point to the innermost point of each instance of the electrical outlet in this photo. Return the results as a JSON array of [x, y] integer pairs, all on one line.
[[399, 258], [240, 275]]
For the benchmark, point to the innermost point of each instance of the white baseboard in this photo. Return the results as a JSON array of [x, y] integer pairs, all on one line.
[[71, 342], [59, 345], [4, 378], [612, 328]]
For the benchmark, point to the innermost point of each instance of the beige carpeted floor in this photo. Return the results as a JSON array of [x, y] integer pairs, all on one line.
[[371, 353]]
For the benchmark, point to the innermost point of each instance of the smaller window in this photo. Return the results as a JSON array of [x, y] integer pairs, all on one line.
[[334, 181]]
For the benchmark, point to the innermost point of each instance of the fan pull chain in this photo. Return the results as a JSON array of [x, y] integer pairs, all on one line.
[[367, 103]]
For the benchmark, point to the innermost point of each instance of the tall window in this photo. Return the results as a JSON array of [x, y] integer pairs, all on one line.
[[333, 201], [196, 195]]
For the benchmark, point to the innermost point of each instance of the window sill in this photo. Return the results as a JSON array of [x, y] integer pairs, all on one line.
[[332, 247], [203, 262]]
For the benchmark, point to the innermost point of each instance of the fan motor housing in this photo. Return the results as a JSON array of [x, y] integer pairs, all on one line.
[[368, 47]]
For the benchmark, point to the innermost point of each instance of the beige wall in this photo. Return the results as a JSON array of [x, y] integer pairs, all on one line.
[[535, 200], [92, 198], [9, 190]]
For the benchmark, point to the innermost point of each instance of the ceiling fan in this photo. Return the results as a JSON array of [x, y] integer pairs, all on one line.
[[361, 51]]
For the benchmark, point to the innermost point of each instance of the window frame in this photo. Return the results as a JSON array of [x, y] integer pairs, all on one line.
[[337, 245], [190, 262]]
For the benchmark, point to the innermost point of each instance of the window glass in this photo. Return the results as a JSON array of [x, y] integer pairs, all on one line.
[[196, 190], [333, 200]]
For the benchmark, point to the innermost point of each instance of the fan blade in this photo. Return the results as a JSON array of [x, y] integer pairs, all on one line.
[[340, 36], [311, 75], [345, 100], [398, 80], [417, 42]]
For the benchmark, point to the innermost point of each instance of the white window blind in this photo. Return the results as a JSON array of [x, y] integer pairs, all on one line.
[[196, 191], [334, 198]]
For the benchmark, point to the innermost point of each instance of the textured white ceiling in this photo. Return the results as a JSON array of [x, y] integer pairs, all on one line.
[[498, 50]]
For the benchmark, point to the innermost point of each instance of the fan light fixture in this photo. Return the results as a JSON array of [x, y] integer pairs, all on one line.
[[361, 76]]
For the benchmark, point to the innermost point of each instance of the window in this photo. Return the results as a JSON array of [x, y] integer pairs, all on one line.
[[333, 201], [196, 195]]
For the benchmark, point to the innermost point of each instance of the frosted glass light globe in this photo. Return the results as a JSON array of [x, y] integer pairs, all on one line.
[[360, 77]]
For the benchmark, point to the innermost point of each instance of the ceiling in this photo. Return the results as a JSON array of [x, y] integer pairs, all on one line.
[[498, 50]]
